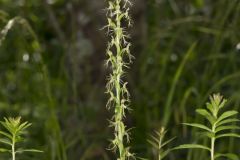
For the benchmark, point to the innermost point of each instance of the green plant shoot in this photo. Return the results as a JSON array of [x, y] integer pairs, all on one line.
[[14, 135], [218, 126], [158, 143]]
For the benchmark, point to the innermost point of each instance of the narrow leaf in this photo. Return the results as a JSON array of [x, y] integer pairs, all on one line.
[[206, 114], [230, 156], [192, 146], [28, 150], [155, 145], [226, 115], [229, 120], [228, 135], [155, 139], [4, 150], [210, 107], [168, 141], [6, 134], [5, 141], [198, 126], [222, 128], [165, 153]]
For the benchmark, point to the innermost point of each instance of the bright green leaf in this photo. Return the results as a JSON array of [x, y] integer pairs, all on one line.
[[227, 155], [230, 120], [228, 135], [192, 146], [198, 126], [206, 114], [226, 115], [222, 128]]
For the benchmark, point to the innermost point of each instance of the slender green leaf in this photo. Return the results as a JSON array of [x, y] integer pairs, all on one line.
[[198, 126], [229, 120], [226, 115], [222, 104], [206, 114], [230, 156], [165, 153], [4, 150], [192, 146], [154, 144], [155, 139], [177, 75], [168, 141], [6, 134], [222, 128], [5, 141], [228, 135], [210, 107], [28, 150]]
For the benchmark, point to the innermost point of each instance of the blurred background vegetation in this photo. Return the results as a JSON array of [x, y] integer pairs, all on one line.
[[53, 74]]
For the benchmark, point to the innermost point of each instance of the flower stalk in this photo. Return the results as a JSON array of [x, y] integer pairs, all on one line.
[[118, 51]]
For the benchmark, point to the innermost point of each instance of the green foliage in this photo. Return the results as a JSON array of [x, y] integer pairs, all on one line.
[[56, 78], [220, 124], [14, 135], [158, 142], [40, 66], [167, 109]]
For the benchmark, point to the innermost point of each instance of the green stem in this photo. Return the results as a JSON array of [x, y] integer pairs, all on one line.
[[13, 148], [159, 148], [213, 142], [212, 148]]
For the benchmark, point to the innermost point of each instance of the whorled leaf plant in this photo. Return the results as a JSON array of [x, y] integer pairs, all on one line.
[[158, 142], [119, 58], [218, 127], [14, 135]]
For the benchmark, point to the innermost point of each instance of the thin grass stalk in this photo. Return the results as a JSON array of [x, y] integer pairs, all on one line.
[[117, 50], [167, 108], [5, 30], [55, 126], [62, 155]]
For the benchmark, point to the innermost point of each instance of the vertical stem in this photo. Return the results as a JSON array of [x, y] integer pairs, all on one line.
[[159, 148], [13, 148], [212, 148], [213, 142]]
